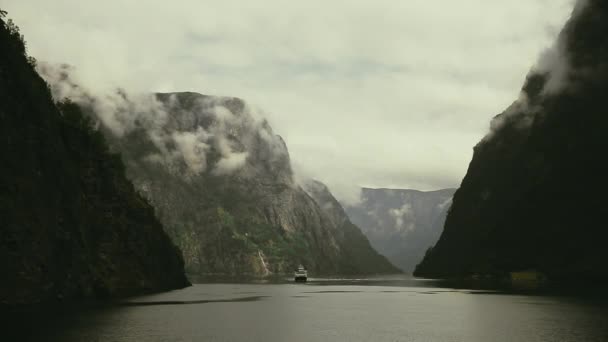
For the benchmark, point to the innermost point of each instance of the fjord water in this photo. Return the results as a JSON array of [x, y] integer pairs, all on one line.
[[393, 309]]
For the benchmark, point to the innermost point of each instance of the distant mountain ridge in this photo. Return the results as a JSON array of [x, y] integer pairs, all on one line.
[[360, 254], [400, 223]]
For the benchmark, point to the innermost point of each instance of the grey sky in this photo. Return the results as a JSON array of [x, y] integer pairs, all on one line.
[[378, 93]]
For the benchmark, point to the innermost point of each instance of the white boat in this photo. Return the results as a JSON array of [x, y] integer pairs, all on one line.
[[301, 275]]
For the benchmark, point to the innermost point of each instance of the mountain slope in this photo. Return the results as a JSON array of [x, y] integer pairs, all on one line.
[[247, 219], [401, 224], [360, 257], [533, 196], [71, 224], [222, 184]]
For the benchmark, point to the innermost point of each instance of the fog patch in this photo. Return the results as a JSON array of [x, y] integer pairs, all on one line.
[[555, 67], [555, 64], [448, 202], [183, 144], [399, 214], [193, 148], [230, 163]]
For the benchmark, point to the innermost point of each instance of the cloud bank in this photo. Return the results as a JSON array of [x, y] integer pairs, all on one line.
[[366, 93]]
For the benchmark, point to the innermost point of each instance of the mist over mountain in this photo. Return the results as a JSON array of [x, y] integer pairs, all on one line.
[[401, 224], [222, 184], [533, 196], [71, 225]]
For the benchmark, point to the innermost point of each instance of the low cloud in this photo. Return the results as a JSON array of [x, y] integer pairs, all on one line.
[[180, 140], [555, 64], [193, 148], [555, 61], [230, 163], [555, 67], [366, 93], [400, 214], [441, 206]]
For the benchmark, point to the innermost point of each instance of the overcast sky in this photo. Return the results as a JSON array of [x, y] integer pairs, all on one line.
[[377, 93]]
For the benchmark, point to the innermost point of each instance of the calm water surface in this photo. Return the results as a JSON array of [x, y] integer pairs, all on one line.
[[396, 309]]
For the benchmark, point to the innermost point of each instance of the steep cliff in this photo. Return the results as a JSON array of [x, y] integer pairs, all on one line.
[[359, 257], [401, 224], [533, 196], [222, 184], [71, 224]]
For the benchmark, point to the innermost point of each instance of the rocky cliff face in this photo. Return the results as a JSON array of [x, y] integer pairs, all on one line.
[[71, 224], [401, 224], [222, 185], [533, 196], [360, 257]]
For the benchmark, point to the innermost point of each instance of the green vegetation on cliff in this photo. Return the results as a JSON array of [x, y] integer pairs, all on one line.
[[222, 185]]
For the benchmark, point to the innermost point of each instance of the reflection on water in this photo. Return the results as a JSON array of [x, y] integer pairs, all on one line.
[[386, 309], [184, 302]]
